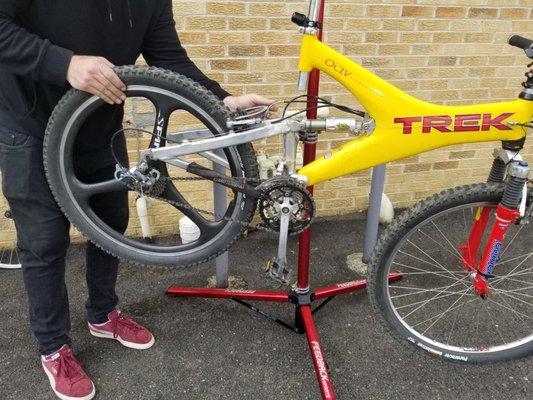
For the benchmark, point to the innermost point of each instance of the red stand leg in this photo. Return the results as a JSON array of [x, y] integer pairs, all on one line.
[[317, 354]]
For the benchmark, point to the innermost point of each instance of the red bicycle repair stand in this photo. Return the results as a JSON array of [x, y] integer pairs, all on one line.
[[300, 295]]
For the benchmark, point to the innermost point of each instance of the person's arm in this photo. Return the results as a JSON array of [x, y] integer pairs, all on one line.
[[27, 54], [31, 56], [162, 48]]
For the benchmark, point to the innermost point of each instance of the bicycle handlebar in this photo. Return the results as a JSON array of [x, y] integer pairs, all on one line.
[[521, 42]]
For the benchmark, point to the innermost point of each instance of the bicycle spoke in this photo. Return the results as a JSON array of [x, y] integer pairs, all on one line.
[[436, 316], [514, 280], [512, 240], [421, 271], [447, 240], [513, 297], [445, 312], [523, 273], [493, 323], [437, 264], [517, 290], [443, 294], [453, 326], [511, 259], [416, 258], [510, 309], [419, 290], [518, 316], [497, 281], [428, 272], [440, 245], [433, 298]]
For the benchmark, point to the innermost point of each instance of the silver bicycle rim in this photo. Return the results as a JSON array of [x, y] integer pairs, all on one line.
[[458, 295]]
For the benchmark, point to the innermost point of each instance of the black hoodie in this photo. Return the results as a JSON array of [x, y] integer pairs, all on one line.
[[39, 37]]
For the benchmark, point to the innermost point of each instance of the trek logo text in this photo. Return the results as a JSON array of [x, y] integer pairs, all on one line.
[[459, 123]]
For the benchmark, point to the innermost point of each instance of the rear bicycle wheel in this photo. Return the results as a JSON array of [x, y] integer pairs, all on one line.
[[434, 306], [172, 100], [9, 256]]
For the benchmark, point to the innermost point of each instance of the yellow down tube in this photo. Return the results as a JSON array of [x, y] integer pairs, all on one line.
[[405, 126]]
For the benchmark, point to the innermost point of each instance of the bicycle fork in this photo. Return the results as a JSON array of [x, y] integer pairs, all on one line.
[[508, 211]]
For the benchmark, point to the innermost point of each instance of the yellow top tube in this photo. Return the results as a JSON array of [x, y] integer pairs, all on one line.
[[405, 126]]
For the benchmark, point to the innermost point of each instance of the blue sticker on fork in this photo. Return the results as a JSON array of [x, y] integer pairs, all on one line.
[[494, 254]]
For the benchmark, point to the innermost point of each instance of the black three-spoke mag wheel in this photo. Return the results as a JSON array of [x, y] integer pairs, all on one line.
[[434, 306], [164, 100]]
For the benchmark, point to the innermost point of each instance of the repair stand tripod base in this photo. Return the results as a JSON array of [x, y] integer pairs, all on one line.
[[303, 322], [301, 296]]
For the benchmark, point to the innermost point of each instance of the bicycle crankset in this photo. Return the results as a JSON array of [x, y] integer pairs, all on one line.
[[286, 195]]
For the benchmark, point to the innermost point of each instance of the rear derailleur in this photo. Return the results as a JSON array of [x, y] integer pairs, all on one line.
[[142, 179]]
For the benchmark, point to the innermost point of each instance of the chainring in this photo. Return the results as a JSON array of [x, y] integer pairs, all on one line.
[[274, 192]]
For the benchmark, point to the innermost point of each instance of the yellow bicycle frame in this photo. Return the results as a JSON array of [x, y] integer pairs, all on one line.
[[405, 126]]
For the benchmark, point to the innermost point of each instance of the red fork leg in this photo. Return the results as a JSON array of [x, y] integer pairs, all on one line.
[[471, 248], [321, 368], [504, 218]]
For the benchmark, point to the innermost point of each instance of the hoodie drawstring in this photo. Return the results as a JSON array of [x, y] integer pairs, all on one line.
[[110, 10], [129, 13]]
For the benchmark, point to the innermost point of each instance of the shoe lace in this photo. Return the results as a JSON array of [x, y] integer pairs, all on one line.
[[124, 321], [68, 367]]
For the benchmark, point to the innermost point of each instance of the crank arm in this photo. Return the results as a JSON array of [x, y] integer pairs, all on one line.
[[217, 177], [279, 268]]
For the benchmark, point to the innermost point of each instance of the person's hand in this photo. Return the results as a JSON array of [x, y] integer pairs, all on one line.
[[95, 75], [235, 103]]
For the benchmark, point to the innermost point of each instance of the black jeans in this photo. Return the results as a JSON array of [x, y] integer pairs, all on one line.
[[43, 240]]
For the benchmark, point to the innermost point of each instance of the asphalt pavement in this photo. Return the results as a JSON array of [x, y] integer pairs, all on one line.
[[217, 349]]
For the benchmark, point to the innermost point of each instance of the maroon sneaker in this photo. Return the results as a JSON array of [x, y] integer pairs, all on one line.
[[66, 375], [122, 328]]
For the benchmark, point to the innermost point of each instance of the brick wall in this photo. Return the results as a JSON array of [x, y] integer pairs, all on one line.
[[446, 51]]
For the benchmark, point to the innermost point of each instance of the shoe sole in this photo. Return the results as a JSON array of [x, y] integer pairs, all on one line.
[[62, 396], [107, 335]]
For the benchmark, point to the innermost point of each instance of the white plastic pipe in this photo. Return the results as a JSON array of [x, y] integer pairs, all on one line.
[[142, 212]]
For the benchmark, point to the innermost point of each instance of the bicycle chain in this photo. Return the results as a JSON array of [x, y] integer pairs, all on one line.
[[179, 205]]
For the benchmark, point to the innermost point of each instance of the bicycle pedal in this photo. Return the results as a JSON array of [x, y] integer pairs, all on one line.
[[278, 272]]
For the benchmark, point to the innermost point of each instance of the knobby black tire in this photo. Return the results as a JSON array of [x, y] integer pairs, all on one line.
[[385, 248], [201, 98]]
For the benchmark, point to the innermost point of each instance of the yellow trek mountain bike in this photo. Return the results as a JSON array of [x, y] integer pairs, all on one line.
[[464, 255]]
